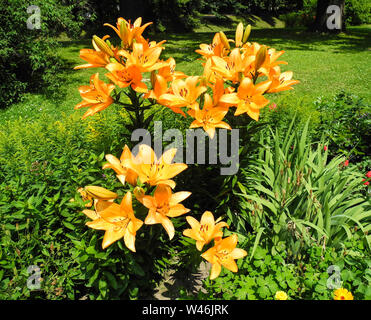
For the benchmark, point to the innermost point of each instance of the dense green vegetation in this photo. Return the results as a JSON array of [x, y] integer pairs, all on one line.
[[47, 152]]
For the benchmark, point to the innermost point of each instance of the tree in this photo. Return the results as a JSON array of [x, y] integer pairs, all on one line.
[[329, 16]]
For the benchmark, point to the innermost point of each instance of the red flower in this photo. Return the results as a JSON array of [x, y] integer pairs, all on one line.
[[273, 106], [366, 183], [368, 174], [325, 148], [346, 163]]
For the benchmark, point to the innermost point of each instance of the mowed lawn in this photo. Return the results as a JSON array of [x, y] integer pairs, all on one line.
[[325, 64]]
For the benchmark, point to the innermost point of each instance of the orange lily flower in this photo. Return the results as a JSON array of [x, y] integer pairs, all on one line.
[[209, 117], [126, 76], [156, 171], [205, 230], [270, 61], [160, 88], [120, 167], [185, 93], [248, 98], [117, 220], [128, 32], [281, 81], [96, 96], [146, 60], [217, 48], [223, 254], [169, 73], [94, 58], [234, 66], [163, 205]]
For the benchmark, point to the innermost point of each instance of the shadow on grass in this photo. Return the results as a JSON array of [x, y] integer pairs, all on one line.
[[352, 41]]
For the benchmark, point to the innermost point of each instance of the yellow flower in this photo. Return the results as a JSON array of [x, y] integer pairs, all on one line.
[[164, 205], [248, 98], [117, 220], [127, 31], [96, 96], [100, 193], [143, 58], [185, 93], [223, 254], [342, 294], [209, 117], [156, 171], [120, 166], [281, 295], [205, 230]]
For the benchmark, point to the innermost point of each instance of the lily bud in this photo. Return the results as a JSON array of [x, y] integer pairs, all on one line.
[[260, 57], [100, 193], [123, 30], [103, 46], [246, 34], [139, 193], [153, 78], [239, 33], [224, 40]]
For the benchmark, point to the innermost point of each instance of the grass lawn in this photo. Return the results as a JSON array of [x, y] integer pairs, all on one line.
[[325, 64]]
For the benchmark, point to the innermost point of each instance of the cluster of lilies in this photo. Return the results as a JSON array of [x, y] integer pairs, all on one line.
[[119, 221], [238, 77], [231, 78]]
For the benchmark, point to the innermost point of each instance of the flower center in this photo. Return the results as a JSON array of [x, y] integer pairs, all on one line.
[[223, 255], [164, 209], [183, 92], [204, 228], [99, 98]]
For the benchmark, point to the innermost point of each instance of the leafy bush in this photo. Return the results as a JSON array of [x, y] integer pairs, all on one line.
[[296, 19], [43, 162], [27, 57], [357, 12], [345, 122]]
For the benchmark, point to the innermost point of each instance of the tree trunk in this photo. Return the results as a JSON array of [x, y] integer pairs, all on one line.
[[329, 22]]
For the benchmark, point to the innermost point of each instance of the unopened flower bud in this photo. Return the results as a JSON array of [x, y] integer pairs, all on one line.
[[224, 40], [139, 193], [103, 46], [100, 193], [239, 33], [123, 29], [246, 34], [260, 57]]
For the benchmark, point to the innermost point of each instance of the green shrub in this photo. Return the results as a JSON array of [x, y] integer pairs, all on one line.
[[357, 12], [43, 163], [345, 121], [27, 57], [296, 19]]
